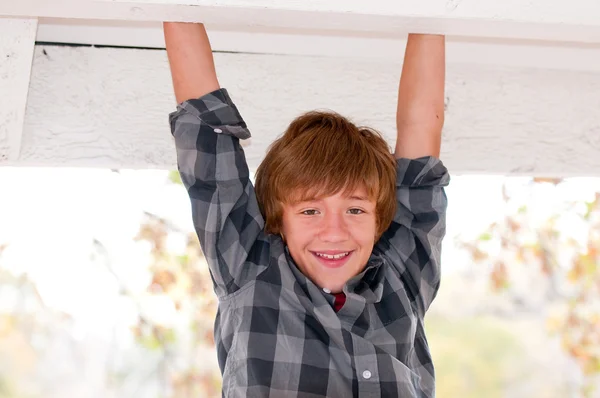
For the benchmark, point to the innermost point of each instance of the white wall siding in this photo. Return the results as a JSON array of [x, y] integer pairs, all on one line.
[[106, 107]]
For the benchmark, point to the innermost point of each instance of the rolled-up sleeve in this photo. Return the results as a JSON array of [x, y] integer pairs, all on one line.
[[414, 239], [213, 168]]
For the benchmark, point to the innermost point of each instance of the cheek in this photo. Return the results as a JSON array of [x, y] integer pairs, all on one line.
[[365, 233], [297, 231], [364, 225]]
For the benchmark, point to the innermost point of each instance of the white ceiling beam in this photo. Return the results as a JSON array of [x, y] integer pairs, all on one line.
[[17, 40], [522, 53], [107, 107], [576, 20]]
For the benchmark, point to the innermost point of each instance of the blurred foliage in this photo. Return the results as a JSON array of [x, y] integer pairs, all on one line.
[[27, 321], [184, 281], [175, 318], [175, 177], [559, 259], [483, 361]]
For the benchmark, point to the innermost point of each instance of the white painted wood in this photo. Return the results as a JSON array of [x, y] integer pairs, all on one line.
[[103, 107], [576, 20], [523, 53], [17, 39]]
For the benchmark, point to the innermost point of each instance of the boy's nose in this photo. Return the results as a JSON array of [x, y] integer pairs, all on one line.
[[334, 228]]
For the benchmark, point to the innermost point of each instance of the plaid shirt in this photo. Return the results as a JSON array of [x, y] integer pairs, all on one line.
[[276, 332]]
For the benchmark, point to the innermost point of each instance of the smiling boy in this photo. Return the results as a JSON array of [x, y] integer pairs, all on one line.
[[325, 272]]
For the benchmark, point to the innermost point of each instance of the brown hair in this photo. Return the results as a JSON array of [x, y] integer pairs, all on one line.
[[320, 154]]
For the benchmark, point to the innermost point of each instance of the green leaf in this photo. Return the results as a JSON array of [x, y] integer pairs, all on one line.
[[170, 336], [150, 342], [589, 210], [175, 178], [183, 259], [486, 236]]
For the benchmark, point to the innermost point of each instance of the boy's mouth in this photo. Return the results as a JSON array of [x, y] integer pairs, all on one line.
[[333, 259]]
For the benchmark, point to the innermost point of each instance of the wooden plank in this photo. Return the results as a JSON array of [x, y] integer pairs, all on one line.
[[576, 20], [500, 52], [106, 107], [17, 39]]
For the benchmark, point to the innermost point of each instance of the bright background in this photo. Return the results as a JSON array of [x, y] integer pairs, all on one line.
[[83, 314]]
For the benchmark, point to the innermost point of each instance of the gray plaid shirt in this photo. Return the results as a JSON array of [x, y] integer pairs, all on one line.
[[276, 332]]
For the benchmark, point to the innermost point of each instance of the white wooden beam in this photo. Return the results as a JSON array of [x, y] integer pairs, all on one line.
[[576, 20], [17, 39], [460, 50], [106, 107]]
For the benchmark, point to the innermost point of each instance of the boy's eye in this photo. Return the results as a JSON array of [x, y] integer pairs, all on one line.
[[356, 211], [310, 212]]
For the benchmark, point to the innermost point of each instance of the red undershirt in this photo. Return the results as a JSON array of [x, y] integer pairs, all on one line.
[[340, 299]]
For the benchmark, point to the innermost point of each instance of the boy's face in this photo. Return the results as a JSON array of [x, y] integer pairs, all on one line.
[[331, 239]]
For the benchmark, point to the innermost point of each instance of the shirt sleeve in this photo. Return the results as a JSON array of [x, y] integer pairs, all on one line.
[[414, 239], [214, 171]]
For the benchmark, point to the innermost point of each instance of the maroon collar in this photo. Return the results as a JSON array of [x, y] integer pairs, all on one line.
[[340, 299]]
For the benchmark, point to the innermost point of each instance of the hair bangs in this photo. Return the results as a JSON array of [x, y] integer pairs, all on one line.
[[342, 169], [322, 154]]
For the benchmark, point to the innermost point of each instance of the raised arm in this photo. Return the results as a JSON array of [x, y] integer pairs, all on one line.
[[413, 241], [207, 128], [191, 60], [420, 114]]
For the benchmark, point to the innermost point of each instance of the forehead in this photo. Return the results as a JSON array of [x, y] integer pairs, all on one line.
[[306, 195]]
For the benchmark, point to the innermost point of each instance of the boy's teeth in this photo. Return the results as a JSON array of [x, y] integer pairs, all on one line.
[[332, 256]]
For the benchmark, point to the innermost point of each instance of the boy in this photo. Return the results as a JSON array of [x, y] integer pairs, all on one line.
[[325, 273]]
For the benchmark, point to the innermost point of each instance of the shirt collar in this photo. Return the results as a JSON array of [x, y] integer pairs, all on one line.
[[368, 283]]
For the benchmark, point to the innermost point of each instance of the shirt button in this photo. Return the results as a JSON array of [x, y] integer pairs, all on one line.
[[218, 131], [366, 374], [326, 290]]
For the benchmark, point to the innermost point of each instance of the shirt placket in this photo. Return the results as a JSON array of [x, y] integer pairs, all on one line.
[[367, 371], [365, 357]]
